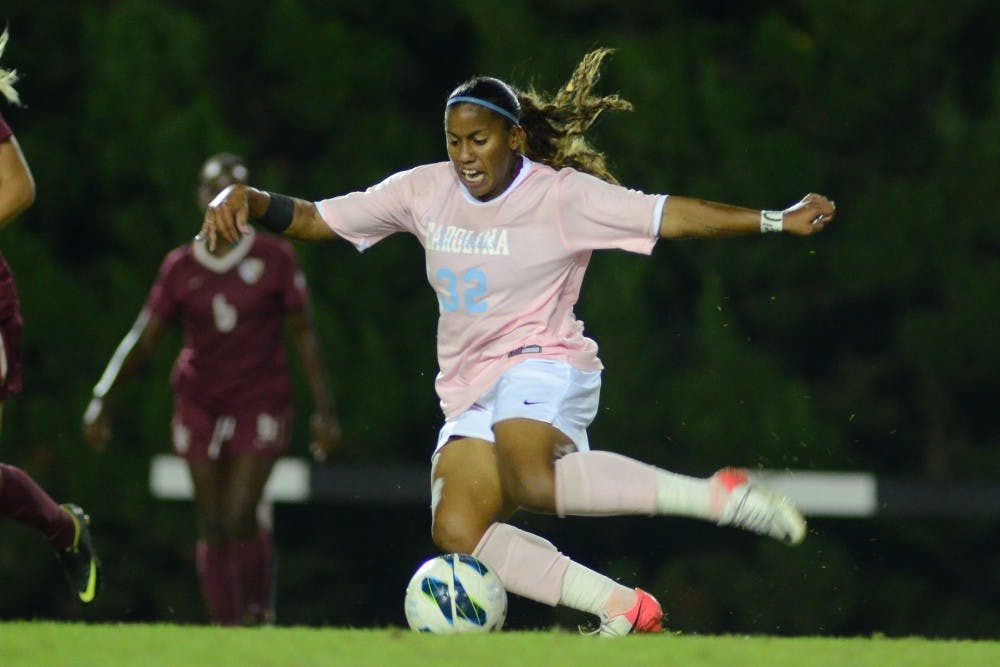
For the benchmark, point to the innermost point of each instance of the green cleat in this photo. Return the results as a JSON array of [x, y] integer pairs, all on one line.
[[83, 569]]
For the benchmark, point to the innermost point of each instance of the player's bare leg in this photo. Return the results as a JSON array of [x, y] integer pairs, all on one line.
[[526, 451], [216, 571], [65, 527], [469, 506], [252, 546]]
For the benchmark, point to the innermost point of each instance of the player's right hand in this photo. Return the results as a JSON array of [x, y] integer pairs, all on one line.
[[96, 425]]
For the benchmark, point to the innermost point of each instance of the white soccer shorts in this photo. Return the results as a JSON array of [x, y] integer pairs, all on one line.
[[545, 390]]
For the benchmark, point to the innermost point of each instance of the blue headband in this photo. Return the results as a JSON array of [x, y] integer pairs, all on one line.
[[458, 99]]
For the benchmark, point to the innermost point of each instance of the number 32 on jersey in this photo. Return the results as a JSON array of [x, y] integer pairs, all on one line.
[[466, 292]]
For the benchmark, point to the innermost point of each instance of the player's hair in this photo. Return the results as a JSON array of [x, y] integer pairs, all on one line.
[[491, 93], [8, 77], [219, 163], [555, 125]]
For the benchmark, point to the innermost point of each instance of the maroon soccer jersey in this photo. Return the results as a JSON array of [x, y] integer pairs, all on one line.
[[231, 313], [10, 317]]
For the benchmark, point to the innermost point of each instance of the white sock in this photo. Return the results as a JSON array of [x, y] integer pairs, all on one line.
[[685, 496], [584, 589]]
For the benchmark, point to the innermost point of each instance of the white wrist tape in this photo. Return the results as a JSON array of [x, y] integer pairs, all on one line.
[[770, 221]]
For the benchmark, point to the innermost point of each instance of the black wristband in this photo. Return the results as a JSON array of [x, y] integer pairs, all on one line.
[[279, 214]]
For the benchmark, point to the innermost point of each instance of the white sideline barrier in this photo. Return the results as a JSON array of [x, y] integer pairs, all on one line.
[[831, 494], [825, 493], [289, 482]]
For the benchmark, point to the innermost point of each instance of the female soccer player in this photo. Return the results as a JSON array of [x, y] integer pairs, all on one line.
[[508, 226], [232, 392], [65, 527]]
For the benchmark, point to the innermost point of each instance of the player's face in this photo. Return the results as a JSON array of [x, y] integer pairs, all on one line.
[[216, 177], [483, 148]]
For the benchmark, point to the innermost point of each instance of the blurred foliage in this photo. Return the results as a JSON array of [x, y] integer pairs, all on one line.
[[869, 347]]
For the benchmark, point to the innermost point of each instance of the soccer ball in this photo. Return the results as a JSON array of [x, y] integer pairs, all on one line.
[[455, 593]]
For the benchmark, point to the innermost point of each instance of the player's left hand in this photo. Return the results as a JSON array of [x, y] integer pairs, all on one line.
[[326, 436], [226, 218], [808, 216]]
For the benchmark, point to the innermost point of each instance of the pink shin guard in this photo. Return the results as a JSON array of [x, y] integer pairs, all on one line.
[[527, 564], [598, 483]]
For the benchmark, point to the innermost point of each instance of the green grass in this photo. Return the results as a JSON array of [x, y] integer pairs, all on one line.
[[45, 644]]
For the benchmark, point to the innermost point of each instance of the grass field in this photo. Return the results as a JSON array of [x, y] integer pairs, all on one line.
[[48, 644]]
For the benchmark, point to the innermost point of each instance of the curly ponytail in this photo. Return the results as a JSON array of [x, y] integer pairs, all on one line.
[[8, 77], [555, 126]]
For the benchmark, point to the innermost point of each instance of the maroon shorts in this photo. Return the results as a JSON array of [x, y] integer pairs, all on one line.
[[201, 435], [10, 333], [10, 354]]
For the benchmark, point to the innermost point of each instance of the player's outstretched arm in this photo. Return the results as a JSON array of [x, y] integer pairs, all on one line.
[[685, 217], [324, 425], [17, 187], [229, 215], [133, 350]]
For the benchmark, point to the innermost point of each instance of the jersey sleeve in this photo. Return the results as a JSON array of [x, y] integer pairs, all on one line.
[[365, 218], [597, 215], [162, 301], [5, 131]]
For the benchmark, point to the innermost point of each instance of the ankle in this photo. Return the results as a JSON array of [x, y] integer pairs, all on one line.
[[721, 486], [621, 601], [730, 478]]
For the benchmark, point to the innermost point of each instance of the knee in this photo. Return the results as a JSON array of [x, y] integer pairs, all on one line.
[[240, 523], [529, 487], [525, 462], [228, 526], [453, 533], [212, 528]]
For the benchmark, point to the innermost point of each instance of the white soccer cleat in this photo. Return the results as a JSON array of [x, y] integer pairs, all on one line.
[[758, 509]]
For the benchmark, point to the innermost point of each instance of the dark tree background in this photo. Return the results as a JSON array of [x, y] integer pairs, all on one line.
[[870, 347]]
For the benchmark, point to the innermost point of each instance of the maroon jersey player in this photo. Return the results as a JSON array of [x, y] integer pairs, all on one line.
[[232, 393], [65, 527]]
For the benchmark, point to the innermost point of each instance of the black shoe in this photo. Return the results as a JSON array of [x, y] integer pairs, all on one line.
[[83, 569]]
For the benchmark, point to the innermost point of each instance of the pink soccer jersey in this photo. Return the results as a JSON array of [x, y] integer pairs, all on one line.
[[507, 272], [233, 352]]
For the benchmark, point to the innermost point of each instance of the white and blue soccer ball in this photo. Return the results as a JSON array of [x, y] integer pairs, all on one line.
[[455, 593]]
